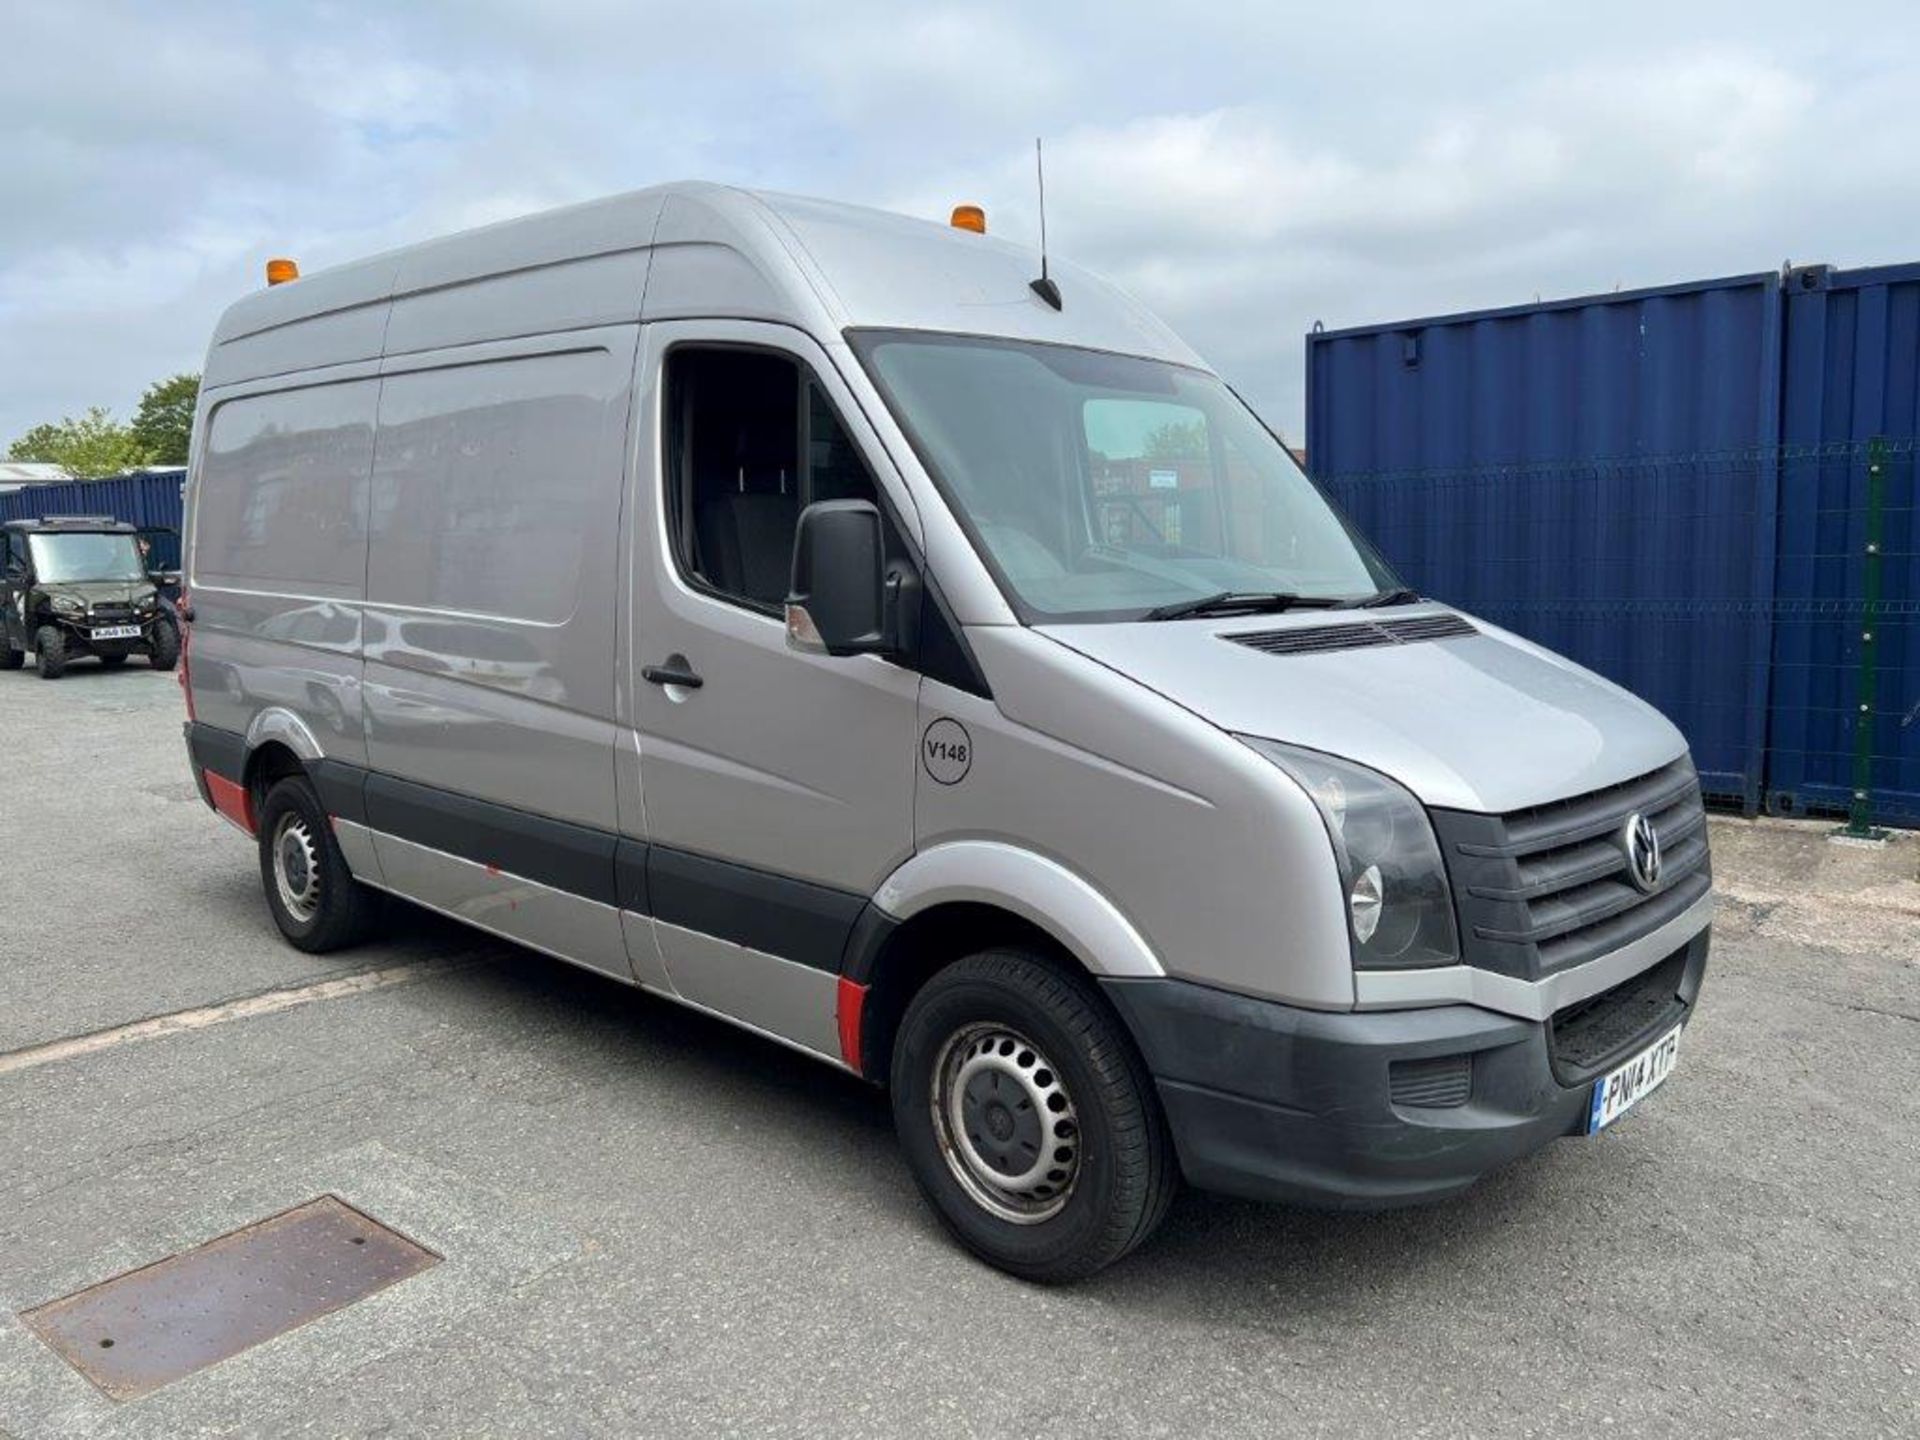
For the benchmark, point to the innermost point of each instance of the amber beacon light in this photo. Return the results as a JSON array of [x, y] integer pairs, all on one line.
[[281, 271], [969, 217]]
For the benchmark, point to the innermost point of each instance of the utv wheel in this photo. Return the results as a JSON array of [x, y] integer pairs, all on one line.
[[1028, 1118], [52, 648], [315, 900], [112, 662], [165, 653], [10, 658]]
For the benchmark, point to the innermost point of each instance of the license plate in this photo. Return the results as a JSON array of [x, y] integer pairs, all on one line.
[[1620, 1090], [117, 632]]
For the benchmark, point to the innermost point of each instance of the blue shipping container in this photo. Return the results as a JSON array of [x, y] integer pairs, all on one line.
[[1667, 485], [1851, 372], [149, 499], [1584, 473]]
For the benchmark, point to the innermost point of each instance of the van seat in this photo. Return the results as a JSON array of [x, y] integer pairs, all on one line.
[[746, 543]]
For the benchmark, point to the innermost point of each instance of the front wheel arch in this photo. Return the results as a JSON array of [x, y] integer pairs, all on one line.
[[894, 962]]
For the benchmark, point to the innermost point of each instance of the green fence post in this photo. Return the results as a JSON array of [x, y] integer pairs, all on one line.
[[1859, 824]]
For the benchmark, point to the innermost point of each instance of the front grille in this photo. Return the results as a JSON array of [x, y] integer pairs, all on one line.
[[113, 612], [1546, 888], [1362, 635], [1587, 1035], [1441, 1083]]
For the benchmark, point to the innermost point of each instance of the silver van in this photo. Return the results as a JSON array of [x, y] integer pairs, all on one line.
[[798, 612]]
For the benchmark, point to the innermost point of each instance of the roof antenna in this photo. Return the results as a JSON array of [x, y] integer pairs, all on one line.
[[1044, 286]]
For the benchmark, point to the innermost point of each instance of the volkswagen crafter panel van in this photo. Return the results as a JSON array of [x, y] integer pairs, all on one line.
[[795, 611]]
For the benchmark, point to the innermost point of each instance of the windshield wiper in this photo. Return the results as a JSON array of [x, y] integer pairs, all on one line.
[[1399, 595], [1240, 602]]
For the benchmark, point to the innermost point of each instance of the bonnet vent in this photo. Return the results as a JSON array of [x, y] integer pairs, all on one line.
[[1427, 627], [1319, 639]]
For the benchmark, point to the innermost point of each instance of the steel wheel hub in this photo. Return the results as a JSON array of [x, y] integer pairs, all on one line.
[[296, 867], [1006, 1124]]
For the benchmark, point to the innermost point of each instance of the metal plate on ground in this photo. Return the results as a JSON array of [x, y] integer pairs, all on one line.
[[149, 1327]]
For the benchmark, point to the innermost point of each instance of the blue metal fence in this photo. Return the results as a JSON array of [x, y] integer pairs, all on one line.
[[1670, 486], [148, 498]]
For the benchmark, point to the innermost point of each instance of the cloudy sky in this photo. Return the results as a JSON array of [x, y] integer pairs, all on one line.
[[1245, 168]]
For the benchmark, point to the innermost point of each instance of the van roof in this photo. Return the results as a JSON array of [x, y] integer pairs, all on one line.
[[685, 250]]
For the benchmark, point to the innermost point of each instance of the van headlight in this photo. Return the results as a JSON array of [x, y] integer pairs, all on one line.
[[68, 604], [1399, 909]]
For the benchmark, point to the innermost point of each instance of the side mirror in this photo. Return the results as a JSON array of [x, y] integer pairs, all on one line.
[[838, 605]]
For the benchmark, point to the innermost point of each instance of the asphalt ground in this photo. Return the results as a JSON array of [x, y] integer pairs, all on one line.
[[655, 1225]]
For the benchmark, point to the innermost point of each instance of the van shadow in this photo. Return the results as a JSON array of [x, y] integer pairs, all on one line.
[[772, 1087], [1265, 1268]]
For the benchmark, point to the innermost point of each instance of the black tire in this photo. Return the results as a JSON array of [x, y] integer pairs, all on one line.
[[112, 662], [10, 658], [343, 911], [51, 646], [1080, 1065], [165, 653]]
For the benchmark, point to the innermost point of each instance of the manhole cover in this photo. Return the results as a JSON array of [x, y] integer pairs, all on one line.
[[149, 1327]]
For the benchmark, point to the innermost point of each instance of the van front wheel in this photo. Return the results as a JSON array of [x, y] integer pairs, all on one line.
[[315, 900], [1028, 1118]]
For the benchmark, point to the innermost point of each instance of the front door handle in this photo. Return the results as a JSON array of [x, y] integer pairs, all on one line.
[[676, 671]]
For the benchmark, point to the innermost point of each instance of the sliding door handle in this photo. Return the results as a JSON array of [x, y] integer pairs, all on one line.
[[676, 671]]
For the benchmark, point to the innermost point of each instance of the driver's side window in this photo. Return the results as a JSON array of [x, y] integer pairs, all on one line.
[[751, 440]]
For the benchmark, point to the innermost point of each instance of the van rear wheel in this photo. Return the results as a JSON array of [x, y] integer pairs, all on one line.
[[315, 900], [1028, 1118]]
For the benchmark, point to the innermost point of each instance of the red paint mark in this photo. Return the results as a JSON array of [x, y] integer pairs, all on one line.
[[231, 800], [493, 869], [853, 1000]]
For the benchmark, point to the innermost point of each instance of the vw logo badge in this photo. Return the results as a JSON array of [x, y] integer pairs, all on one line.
[[1641, 842]]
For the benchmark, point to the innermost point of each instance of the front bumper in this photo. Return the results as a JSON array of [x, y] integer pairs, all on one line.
[[1271, 1102], [79, 633]]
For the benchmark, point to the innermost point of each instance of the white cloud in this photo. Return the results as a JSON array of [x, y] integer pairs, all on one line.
[[1246, 168]]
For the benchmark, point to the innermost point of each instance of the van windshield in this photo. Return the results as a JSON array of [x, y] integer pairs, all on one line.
[[60, 558], [1102, 487]]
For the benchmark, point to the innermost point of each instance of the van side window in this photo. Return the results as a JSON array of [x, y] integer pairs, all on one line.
[[283, 489], [492, 493], [751, 441]]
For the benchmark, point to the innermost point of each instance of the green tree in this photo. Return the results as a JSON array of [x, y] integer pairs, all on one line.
[[87, 445], [1177, 440], [165, 419]]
